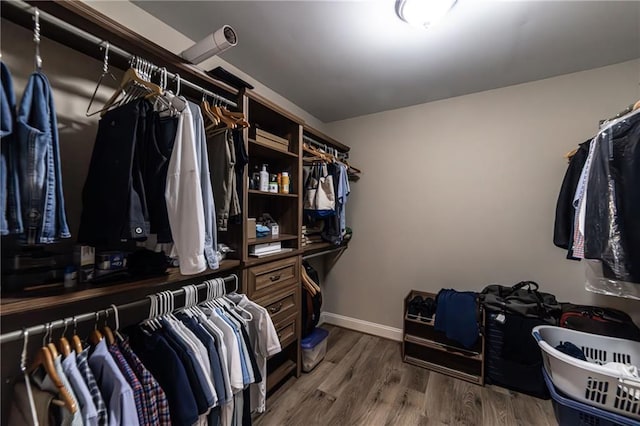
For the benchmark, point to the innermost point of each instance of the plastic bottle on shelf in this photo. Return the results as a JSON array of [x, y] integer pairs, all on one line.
[[264, 179], [255, 178], [285, 183]]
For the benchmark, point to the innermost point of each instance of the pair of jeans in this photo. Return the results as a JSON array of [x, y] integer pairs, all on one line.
[[38, 165], [113, 197]]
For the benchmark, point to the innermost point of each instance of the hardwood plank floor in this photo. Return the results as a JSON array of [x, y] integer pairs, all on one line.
[[363, 382]]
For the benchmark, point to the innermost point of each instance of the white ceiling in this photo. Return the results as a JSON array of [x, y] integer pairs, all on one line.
[[341, 59]]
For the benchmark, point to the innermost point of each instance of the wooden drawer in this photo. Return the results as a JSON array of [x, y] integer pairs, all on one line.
[[281, 305], [265, 279], [286, 330]]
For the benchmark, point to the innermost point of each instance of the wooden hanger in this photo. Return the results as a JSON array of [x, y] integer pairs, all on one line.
[[64, 346], [44, 358], [571, 153], [238, 117], [95, 337], [228, 122], [354, 170], [77, 344], [309, 281], [109, 335], [130, 77], [317, 154], [63, 343], [53, 349], [636, 105], [206, 108]]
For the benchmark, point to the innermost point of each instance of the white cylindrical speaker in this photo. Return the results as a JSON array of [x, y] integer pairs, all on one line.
[[211, 45]]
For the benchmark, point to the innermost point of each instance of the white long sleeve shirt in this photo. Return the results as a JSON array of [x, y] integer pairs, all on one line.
[[184, 199]]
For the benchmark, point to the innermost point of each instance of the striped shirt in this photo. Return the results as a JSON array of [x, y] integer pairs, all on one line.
[[136, 387], [157, 404], [87, 375]]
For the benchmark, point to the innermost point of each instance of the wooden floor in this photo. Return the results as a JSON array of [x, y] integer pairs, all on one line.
[[363, 381]]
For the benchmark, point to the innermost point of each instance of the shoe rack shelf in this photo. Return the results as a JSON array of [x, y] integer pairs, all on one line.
[[424, 346]]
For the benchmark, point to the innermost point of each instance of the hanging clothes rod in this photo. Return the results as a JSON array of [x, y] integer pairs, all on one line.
[[322, 253], [325, 147], [92, 316], [113, 49]]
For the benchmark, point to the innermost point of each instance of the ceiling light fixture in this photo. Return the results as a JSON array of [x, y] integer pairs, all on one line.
[[423, 13]]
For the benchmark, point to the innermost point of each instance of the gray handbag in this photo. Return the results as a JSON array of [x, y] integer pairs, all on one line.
[[522, 299]]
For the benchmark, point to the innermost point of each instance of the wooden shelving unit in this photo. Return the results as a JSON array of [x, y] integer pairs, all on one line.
[[426, 347], [276, 275]]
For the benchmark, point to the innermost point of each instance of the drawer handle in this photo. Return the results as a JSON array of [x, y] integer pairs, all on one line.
[[274, 277], [274, 309]]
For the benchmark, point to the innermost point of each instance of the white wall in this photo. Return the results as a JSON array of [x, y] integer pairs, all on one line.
[[150, 27], [461, 192]]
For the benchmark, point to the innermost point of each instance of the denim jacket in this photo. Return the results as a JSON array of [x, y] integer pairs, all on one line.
[[38, 156], [10, 212]]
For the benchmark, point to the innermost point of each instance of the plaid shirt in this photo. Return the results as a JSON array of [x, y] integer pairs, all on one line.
[[136, 386], [156, 398], [87, 375]]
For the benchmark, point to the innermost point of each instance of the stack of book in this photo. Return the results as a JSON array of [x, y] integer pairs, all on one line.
[[267, 249]]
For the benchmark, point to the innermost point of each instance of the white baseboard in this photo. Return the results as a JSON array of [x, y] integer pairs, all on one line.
[[362, 326]]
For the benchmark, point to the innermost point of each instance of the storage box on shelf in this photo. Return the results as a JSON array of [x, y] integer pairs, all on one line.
[[426, 347]]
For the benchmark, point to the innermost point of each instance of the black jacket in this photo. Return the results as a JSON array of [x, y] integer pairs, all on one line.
[[612, 220], [565, 212]]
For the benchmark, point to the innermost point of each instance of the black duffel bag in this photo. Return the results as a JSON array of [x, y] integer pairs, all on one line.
[[596, 320], [522, 299]]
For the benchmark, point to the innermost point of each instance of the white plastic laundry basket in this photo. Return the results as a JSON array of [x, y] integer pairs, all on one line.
[[588, 381]]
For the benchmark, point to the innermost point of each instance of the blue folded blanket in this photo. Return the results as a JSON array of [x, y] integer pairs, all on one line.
[[456, 316]]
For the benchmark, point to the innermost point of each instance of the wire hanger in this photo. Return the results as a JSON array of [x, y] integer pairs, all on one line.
[[117, 321], [36, 38], [105, 72], [151, 321], [134, 77], [27, 382]]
